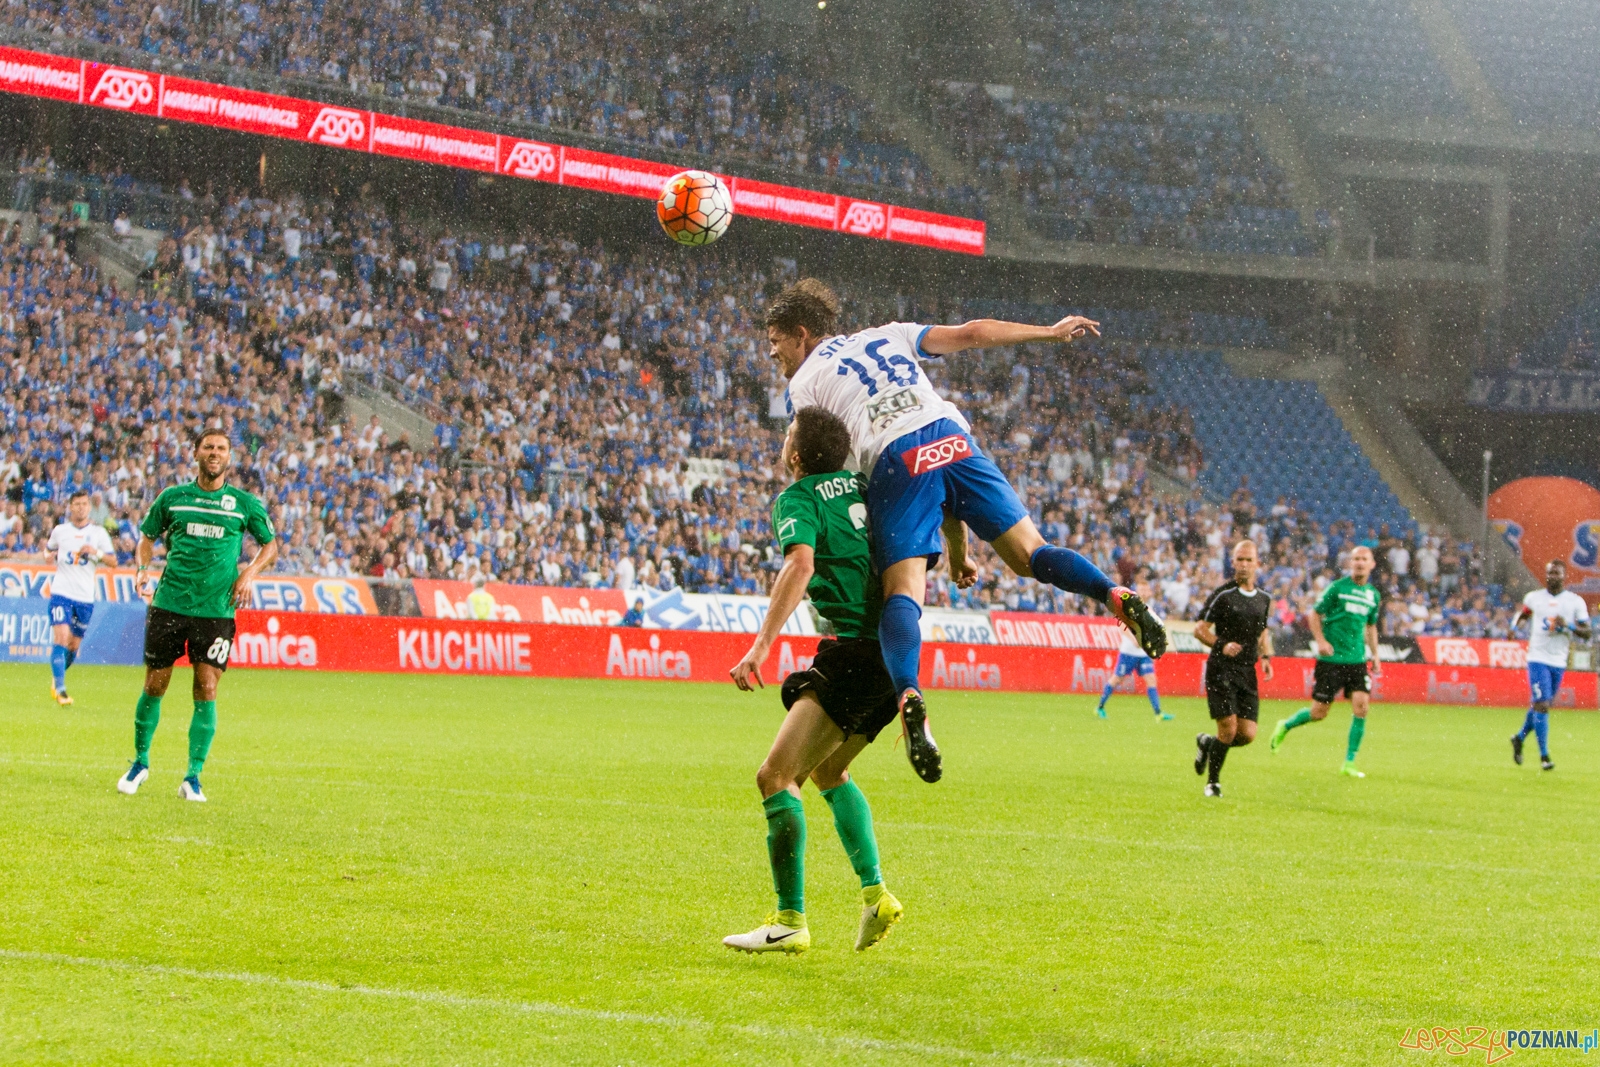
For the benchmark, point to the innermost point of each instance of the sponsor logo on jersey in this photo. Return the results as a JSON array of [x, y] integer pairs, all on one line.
[[891, 407], [936, 454], [205, 529], [337, 126], [530, 159], [786, 528], [865, 219], [123, 89]]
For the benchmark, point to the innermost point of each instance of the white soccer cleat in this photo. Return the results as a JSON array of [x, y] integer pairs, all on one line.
[[775, 935], [876, 919], [189, 789], [129, 783]]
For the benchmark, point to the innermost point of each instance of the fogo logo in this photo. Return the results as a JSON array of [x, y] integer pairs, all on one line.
[[864, 219], [338, 127], [530, 159], [123, 89], [1455, 652], [274, 648], [936, 454], [1509, 654]]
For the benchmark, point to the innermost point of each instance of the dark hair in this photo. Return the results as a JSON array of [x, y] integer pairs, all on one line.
[[211, 431], [1557, 563], [821, 441], [76, 493], [806, 303]]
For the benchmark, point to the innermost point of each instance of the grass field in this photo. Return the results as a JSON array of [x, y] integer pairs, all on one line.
[[486, 871]]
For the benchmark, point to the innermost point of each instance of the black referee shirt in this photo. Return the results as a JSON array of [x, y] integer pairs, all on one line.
[[1236, 616]]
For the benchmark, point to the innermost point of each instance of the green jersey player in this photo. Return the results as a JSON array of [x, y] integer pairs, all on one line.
[[837, 706], [1345, 626], [203, 523]]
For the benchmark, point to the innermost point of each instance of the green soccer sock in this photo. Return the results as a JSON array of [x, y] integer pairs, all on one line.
[[146, 715], [786, 847], [1358, 728], [1299, 718], [852, 817], [202, 728]]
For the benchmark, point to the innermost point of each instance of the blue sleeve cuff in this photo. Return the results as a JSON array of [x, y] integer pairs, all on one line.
[[921, 352]]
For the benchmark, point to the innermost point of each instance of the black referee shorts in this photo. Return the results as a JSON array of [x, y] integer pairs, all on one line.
[[169, 636], [851, 683], [1231, 691], [1328, 680]]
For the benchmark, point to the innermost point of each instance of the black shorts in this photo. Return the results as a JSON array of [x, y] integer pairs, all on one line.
[[851, 683], [169, 636], [1331, 679], [1231, 691]]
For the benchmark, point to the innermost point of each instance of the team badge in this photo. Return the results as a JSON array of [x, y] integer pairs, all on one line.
[[228, 503]]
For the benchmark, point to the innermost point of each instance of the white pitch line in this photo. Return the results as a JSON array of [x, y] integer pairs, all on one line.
[[534, 1007]]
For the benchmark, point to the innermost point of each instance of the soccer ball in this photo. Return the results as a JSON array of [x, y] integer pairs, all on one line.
[[695, 207]]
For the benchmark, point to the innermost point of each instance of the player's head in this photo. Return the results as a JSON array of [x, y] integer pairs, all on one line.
[[797, 319], [78, 507], [818, 442], [1361, 563], [213, 452], [1245, 563], [1555, 575]]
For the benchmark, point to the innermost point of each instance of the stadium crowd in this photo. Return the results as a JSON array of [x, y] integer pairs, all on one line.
[[602, 419], [603, 67]]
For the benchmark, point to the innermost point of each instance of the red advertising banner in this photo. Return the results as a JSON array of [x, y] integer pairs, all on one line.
[[187, 100], [41, 74], [781, 203], [440, 599], [607, 173], [457, 646], [429, 142], [142, 92], [1474, 652], [1056, 631]]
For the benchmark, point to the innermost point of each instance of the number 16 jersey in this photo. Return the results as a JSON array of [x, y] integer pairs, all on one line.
[[873, 380]]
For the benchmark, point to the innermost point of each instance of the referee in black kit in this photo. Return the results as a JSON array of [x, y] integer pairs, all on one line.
[[1233, 625]]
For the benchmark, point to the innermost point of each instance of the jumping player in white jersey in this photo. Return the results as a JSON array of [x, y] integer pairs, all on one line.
[[922, 464], [76, 545], [1131, 659], [1555, 617]]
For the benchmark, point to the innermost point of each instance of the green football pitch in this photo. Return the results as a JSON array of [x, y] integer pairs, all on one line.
[[494, 871]]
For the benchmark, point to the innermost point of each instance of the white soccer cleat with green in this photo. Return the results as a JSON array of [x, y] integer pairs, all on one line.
[[876, 919], [783, 932]]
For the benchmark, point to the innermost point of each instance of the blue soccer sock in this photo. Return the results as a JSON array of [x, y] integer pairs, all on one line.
[[72, 657], [1155, 698], [1529, 721], [1106, 694], [58, 666], [1541, 729], [1066, 569], [900, 637]]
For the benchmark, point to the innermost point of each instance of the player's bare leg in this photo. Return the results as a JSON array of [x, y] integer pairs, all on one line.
[[1020, 547]]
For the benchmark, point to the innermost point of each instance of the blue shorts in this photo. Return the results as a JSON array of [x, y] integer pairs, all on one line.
[[1143, 666], [1545, 682], [71, 613], [923, 475]]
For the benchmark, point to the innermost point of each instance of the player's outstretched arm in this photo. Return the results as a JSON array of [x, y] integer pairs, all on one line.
[[787, 592], [992, 333]]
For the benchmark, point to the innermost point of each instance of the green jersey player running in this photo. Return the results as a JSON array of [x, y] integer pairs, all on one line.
[[203, 523], [1345, 626], [837, 706]]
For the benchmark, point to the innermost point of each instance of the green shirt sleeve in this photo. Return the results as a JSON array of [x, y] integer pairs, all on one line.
[[1325, 601], [258, 523], [155, 520], [795, 520]]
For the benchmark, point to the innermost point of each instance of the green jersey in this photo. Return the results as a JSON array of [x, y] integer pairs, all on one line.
[[204, 533], [1347, 609], [828, 513]]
